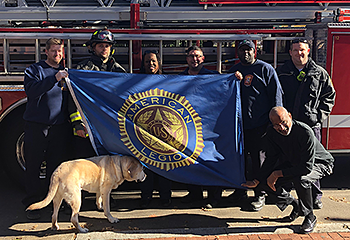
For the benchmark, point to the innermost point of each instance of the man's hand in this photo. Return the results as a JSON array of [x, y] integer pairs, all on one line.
[[272, 179], [251, 184], [239, 75], [61, 74], [81, 133]]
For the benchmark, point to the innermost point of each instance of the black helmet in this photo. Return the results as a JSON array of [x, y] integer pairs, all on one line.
[[101, 36]]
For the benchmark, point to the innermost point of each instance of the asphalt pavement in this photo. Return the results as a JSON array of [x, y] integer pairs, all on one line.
[[180, 220]]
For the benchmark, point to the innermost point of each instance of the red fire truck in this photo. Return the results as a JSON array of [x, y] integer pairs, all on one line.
[[170, 27]]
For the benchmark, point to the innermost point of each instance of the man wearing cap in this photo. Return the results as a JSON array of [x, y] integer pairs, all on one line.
[[308, 94], [260, 91]]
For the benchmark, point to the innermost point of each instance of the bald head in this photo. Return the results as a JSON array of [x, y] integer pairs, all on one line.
[[281, 120], [277, 111]]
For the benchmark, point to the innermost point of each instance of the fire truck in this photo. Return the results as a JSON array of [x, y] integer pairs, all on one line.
[[170, 26]]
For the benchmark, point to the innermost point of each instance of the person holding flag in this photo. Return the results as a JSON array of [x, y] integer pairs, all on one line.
[[260, 91], [48, 132], [100, 46], [195, 59], [151, 64]]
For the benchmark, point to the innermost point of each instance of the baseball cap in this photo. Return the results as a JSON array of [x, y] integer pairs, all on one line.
[[246, 42]]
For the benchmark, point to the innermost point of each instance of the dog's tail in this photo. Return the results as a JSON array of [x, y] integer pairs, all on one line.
[[54, 183]]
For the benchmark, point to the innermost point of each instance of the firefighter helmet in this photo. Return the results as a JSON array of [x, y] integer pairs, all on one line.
[[101, 36]]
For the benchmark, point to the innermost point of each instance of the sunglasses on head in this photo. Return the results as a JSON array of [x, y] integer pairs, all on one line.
[[299, 41], [104, 35]]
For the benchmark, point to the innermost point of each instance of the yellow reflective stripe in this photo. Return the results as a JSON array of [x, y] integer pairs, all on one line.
[[75, 117]]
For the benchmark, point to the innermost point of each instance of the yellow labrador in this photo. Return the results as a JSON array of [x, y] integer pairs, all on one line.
[[96, 175]]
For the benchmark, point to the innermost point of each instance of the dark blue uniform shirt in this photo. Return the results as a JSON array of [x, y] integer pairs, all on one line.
[[260, 91]]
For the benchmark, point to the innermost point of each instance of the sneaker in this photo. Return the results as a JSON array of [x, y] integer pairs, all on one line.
[[293, 215], [211, 204], [258, 203], [318, 204], [33, 214], [309, 224], [255, 205]]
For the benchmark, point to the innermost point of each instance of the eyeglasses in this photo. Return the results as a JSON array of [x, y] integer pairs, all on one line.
[[194, 56], [105, 35], [299, 41]]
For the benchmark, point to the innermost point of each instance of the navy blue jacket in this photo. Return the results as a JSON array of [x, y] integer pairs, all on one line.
[[47, 103], [260, 91]]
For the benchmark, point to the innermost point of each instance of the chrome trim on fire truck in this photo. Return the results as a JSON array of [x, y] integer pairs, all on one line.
[[12, 107], [84, 36], [338, 121], [339, 151]]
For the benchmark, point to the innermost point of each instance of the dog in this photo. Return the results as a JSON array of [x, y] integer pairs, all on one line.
[[96, 175]]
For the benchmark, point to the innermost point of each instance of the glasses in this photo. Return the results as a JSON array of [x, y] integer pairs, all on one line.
[[299, 41], [105, 35], [194, 56]]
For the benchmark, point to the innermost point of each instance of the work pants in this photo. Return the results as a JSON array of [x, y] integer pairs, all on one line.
[[147, 186], [316, 186], [49, 143], [302, 185], [196, 191], [253, 150]]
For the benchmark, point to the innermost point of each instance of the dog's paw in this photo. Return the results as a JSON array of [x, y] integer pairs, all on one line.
[[55, 227], [113, 220], [83, 230]]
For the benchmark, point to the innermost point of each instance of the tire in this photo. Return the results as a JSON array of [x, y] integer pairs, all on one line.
[[12, 144]]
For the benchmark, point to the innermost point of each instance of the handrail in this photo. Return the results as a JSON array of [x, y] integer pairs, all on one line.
[[217, 37], [152, 36]]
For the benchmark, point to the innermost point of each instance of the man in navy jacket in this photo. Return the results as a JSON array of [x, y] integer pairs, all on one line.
[[48, 131]]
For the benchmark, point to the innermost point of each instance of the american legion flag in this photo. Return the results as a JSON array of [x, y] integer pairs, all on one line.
[[185, 128]]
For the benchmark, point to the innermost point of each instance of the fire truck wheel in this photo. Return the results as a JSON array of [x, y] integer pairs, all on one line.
[[12, 148]]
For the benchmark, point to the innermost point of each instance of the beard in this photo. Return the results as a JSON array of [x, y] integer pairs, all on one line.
[[247, 59]]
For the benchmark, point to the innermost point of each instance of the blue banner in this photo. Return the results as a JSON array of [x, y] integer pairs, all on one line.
[[185, 128]]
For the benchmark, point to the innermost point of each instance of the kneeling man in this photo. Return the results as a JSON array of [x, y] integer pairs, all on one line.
[[293, 155]]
